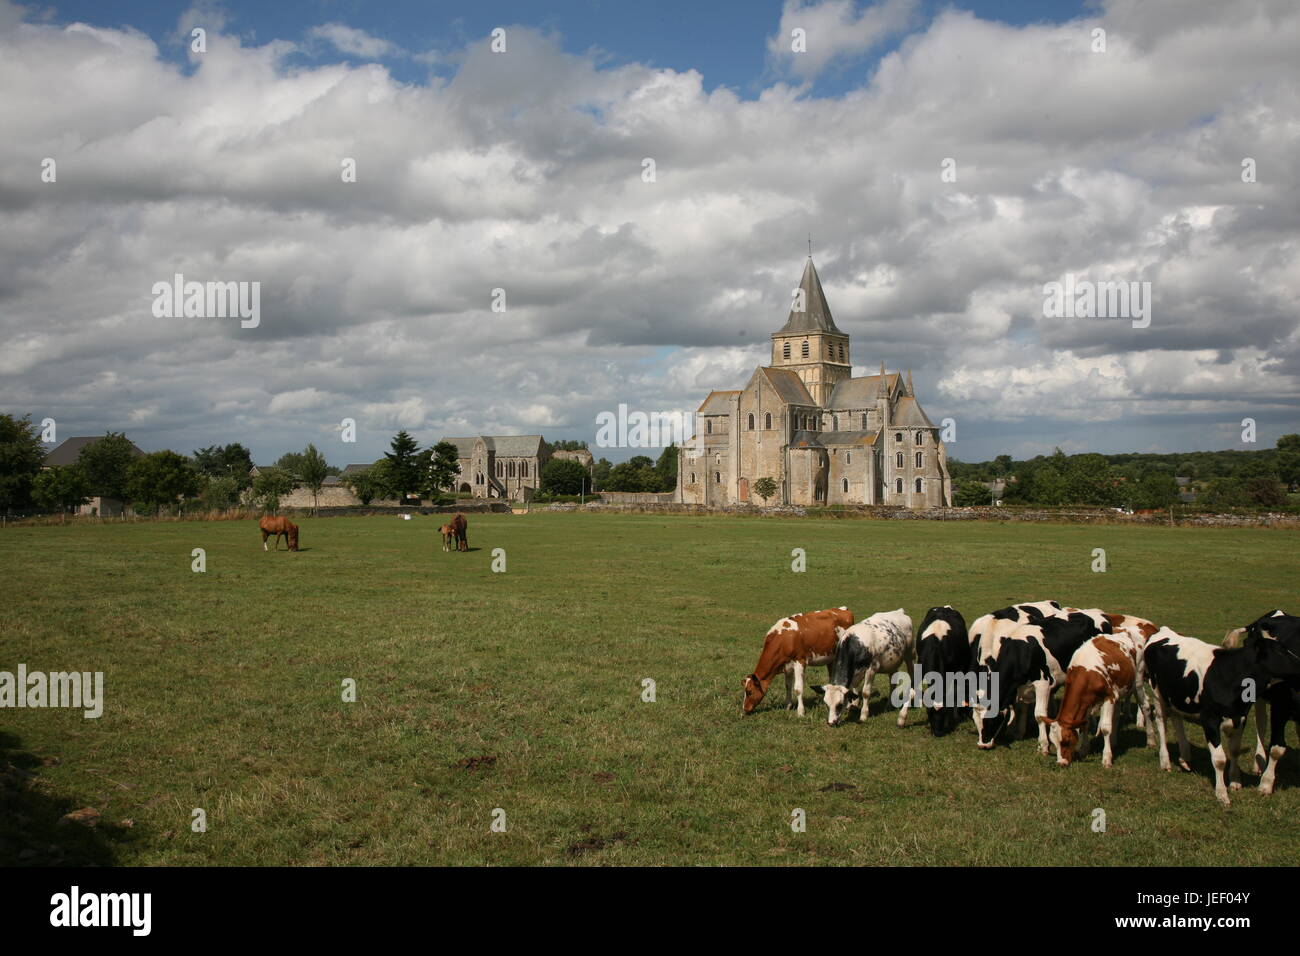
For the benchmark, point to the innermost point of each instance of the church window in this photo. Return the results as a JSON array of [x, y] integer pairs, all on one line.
[[848, 458], [846, 485], [898, 486], [751, 421], [864, 421], [692, 477], [898, 460], [717, 477], [523, 469], [512, 469], [898, 436], [918, 486], [767, 420], [708, 425], [920, 436], [841, 351], [920, 460], [805, 348], [785, 351], [836, 420]]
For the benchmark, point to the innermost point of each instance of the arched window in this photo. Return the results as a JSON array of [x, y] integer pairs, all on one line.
[[805, 348], [767, 420], [920, 460], [864, 421], [846, 486], [918, 486], [751, 421], [512, 469], [835, 419], [717, 477], [898, 485], [920, 438], [898, 436], [523, 469], [848, 458], [692, 477], [785, 351], [708, 425], [898, 460]]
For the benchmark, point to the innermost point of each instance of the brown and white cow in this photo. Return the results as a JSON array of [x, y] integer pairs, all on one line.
[[1102, 672], [792, 644]]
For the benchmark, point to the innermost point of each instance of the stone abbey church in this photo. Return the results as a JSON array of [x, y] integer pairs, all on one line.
[[822, 435]]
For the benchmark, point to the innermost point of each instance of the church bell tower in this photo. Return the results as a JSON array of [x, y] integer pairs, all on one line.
[[809, 343]]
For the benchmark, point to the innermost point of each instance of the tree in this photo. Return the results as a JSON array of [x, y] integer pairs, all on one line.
[[219, 493], [1089, 481], [270, 486], [666, 468], [444, 467], [404, 465], [61, 488], [225, 461], [600, 474], [765, 488], [160, 478], [1224, 493], [1048, 487], [971, 494], [564, 476], [20, 460], [312, 472], [367, 485], [1266, 492], [635, 474], [1153, 491], [1288, 459], [105, 463]]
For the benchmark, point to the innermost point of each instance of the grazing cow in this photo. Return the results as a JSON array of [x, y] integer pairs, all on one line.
[[881, 644], [1208, 684], [1140, 630], [1283, 697], [792, 644], [279, 526], [1102, 671], [454, 530], [943, 653], [1036, 654], [989, 630]]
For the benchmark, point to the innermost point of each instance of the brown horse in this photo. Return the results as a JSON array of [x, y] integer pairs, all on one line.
[[279, 526], [455, 529]]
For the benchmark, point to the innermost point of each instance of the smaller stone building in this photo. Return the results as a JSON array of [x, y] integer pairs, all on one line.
[[500, 466]]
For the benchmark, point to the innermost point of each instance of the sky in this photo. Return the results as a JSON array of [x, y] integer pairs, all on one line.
[[949, 161]]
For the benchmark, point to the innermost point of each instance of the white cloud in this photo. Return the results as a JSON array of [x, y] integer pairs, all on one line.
[[835, 28], [352, 41]]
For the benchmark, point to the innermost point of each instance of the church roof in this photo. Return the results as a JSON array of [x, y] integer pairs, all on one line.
[[718, 402], [848, 438], [816, 316], [788, 385], [859, 392], [908, 412], [805, 439], [507, 446]]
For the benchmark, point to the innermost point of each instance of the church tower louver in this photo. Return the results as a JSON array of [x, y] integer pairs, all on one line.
[[821, 435]]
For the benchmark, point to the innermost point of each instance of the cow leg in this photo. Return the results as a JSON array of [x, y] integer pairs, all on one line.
[[1042, 695], [1159, 720], [1104, 728], [1282, 710], [1261, 731], [911, 693], [798, 686], [1214, 734], [1234, 752], [1144, 720], [864, 709], [1184, 748]]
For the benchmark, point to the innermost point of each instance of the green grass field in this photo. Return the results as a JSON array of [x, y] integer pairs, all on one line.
[[223, 692]]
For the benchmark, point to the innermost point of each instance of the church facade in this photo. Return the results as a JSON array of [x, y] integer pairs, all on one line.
[[823, 436]]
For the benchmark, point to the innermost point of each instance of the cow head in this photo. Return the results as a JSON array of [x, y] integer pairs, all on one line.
[[1065, 741], [1275, 656], [837, 698], [754, 693]]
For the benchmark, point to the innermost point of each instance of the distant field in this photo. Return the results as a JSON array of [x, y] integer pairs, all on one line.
[[223, 693]]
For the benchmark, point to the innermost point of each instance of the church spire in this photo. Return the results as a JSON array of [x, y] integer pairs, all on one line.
[[909, 384], [816, 314], [883, 388]]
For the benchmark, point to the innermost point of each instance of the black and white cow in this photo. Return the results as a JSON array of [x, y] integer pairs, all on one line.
[[1282, 696], [1038, 655], [880, 644], [943, 653], [1030, 612], [1215, 686]]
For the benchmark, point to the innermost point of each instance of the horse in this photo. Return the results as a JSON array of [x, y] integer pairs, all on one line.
[[455, 529], [277, 527]]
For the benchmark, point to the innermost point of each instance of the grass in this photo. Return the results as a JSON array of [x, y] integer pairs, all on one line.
[[522, 691]]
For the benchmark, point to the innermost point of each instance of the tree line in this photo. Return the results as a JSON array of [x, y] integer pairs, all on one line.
[[1219, 479]]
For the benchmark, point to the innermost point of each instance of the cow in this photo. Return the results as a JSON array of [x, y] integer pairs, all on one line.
[[881, 644], [1036, 654], [1101, 672], [791, 645], [1140, 630], [454, 530], [278, 526], [1193, 679], [988, 631], [943, 653], [1282, 696]]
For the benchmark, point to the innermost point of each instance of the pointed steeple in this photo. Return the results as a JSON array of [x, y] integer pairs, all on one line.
[[883, 388], [816, 316], [909, 384]]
